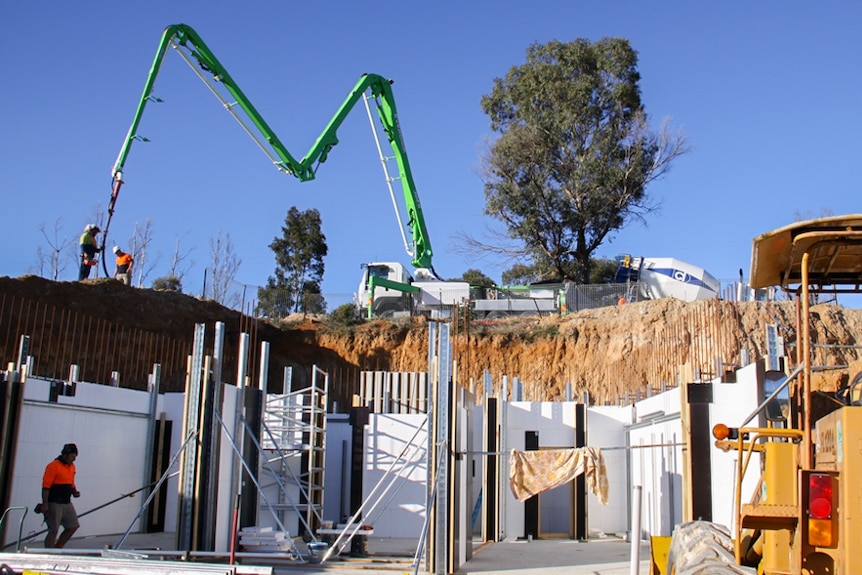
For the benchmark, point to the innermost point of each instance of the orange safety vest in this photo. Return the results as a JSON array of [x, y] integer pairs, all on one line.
[[124, 263], [59, 480]]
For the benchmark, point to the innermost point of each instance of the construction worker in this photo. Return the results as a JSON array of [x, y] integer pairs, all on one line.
[[124, 266], [89, 249], [58, 488]]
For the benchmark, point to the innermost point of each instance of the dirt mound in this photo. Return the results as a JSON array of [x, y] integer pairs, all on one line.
[[102, 325], [607, 352]]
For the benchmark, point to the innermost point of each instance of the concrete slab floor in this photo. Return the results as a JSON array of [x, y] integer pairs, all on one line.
[[610, 556]]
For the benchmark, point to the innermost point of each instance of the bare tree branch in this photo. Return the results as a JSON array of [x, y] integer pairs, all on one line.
[[50, 259], [224, 265], [179, 269], [139, 244]]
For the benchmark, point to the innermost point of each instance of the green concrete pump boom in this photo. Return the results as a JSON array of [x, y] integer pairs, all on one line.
[[190, 46]]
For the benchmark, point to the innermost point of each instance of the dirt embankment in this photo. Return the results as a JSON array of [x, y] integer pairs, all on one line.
[[606, 352]]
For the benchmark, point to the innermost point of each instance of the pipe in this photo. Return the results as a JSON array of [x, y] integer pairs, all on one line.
[[806, 362], [234, 527], [774, 394]]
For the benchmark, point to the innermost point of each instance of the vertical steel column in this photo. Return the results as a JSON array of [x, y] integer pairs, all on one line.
[[443, 540], [252, 415], [430, 443], [531, 505], [205, 517], [288, 379], [247, 409], [218, 354], [12, 397], [191, 422], [581, 526], [490, 481], [214, 470], [236, 464], [150, 447], [23, 350], [503, 464], [264, 366]]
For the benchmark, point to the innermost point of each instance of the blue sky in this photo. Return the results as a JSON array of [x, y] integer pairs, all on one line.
[[766, 92]]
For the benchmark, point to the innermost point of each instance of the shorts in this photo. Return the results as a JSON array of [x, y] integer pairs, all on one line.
[[61, 514]]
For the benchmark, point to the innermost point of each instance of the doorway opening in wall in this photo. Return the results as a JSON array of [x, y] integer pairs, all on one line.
[[555, 512]]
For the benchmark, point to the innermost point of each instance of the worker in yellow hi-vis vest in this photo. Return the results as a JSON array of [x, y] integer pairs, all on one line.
[[89, 249]]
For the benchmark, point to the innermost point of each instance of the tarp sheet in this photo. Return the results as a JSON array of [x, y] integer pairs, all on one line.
[[532, 472]]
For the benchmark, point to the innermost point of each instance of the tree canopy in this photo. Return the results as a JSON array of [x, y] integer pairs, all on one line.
[[299, 254], [475, 277], [574, 152]]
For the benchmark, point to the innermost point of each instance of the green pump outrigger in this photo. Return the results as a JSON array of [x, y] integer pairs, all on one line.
[[194, 51]]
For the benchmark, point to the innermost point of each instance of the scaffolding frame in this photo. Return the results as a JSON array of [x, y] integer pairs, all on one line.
[[295, 448]]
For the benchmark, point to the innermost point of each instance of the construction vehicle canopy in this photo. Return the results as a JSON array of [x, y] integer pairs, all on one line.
[[833, 246]]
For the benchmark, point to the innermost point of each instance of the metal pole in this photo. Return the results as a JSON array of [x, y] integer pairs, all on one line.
[[636, 531], [264, 366], [186, 502], [774, 394], [218, 352], [155, 377], [242, 370]]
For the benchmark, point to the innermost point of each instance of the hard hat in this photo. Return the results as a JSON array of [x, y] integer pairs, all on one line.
[[89, 227], [115, 249]]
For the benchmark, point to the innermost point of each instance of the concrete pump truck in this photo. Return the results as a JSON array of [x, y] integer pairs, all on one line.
[[805, 515]]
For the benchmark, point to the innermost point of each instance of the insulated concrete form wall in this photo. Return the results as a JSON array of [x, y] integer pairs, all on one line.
[[477, 471], [732, 403], [555, 424], [656, 453], [393, 490], [336, 487], [228, 469], [109, 426], [656, 464], [172, 405], [606, 430]]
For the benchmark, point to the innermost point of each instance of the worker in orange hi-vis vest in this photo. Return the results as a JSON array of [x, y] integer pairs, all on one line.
[[124, 266], [58, 488]]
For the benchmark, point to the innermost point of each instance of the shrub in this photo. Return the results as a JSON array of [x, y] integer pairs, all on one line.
[[345, 315], [168, 283]]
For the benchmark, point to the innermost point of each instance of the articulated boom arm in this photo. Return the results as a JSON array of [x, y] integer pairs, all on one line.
[[190, 46]]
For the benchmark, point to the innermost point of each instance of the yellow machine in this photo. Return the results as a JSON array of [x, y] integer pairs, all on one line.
[[805, 517]]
